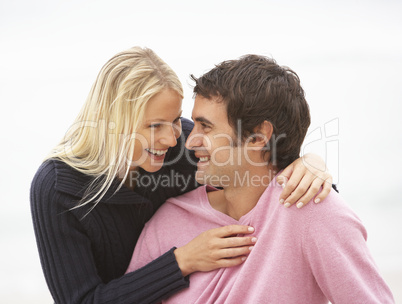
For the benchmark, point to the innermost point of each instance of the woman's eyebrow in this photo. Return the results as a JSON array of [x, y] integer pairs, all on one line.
[[163, 120]]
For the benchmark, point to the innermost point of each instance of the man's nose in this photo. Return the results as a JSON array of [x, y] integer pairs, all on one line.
[[194, 140]]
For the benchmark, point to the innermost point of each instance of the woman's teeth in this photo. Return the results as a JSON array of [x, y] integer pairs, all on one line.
[[204, 159], [157, 152]]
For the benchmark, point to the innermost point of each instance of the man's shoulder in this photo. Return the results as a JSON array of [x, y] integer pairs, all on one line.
[[188, 200], [176, 214], [186, 203], [333, 211], [333, 215], [333, 205]]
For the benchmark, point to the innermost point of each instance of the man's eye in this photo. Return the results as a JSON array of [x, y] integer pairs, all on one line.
[[204, 126], [177, 120]]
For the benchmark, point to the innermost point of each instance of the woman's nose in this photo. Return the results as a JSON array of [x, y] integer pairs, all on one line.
[[170, 136]]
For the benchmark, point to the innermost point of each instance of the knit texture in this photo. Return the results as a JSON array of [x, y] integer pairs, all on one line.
[[84, 253]]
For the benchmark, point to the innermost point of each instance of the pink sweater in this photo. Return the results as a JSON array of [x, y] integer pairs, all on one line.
[[309, 255]]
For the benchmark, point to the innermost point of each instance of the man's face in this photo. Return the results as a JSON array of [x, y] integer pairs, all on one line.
[[214, 143]]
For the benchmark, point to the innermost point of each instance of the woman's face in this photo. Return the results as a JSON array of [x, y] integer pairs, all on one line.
[[160, 129]]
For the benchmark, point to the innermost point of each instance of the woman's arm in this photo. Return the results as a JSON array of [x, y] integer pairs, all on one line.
[[210, 250], [303, 179], [215, 248], [73, 272]]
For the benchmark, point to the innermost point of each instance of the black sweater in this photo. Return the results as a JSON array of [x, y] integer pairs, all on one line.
[[85, 253]]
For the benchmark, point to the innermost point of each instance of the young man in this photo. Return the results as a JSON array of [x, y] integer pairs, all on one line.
[[250, 119]]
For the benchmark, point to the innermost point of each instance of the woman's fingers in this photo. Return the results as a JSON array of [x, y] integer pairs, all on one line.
[[231, 262], [300, 190], [303, 179], [294, 188], [229, 253], [283, 180], [309, 195], [215, 248], [233, 242], [327, 186], [234, 246], [231, 230]]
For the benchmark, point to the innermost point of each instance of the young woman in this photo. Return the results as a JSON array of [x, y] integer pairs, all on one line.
[[121, 159]]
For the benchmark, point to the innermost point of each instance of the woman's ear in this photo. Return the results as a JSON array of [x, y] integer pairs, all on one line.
[[262, 135]]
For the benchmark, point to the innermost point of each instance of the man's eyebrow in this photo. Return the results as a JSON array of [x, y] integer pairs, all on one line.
[[202, 119]]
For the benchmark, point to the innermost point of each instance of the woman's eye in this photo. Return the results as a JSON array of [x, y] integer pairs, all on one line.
[[155, 126]]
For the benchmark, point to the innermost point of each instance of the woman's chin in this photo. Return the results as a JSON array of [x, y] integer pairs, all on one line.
[[152, 168]]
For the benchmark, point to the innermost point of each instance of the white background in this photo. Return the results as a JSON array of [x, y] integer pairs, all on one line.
[[348, 55]]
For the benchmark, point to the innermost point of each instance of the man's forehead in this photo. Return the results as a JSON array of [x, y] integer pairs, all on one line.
[[213, 112], [212, 105]]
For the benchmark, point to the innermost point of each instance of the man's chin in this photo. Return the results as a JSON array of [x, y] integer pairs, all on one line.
[[205, 179], [201, 177]]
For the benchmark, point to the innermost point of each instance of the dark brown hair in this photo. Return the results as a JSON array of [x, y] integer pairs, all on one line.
[[254, 89]]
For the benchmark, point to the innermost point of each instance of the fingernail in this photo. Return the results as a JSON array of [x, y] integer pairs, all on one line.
[[251, 229], [254, 239], [243, 259], [281, 201], [251, 247], [287, 205], [299, 205], [317, 200], [283, 185]]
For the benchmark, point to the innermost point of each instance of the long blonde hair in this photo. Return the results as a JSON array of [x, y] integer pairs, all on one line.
[[101, 138]]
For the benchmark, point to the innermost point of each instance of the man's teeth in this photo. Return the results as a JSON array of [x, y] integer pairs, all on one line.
[[204, 159], [157, 152]]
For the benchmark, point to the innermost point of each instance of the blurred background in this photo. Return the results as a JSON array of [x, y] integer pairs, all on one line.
[[348, 55]]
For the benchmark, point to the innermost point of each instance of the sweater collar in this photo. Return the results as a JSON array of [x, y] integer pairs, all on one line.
[[73, 182]]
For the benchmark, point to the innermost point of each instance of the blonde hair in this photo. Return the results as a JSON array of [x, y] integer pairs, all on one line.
[[101, 137]]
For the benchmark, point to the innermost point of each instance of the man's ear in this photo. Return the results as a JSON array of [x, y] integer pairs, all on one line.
[[262, 135]]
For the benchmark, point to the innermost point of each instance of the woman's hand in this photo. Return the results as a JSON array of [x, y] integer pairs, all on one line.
[[215, 248], [303, 179]]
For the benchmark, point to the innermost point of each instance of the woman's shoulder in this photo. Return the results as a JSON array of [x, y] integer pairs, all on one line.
[[43, 188], [45, 176], [56, 188], [54, 175], [187, 126]]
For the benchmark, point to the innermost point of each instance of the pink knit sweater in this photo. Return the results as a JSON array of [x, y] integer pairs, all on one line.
[[309, 255]]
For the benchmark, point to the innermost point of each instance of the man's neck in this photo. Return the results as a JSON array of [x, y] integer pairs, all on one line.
[[239, 198]]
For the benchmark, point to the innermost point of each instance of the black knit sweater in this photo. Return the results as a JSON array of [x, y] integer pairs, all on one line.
[[85, 253]]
